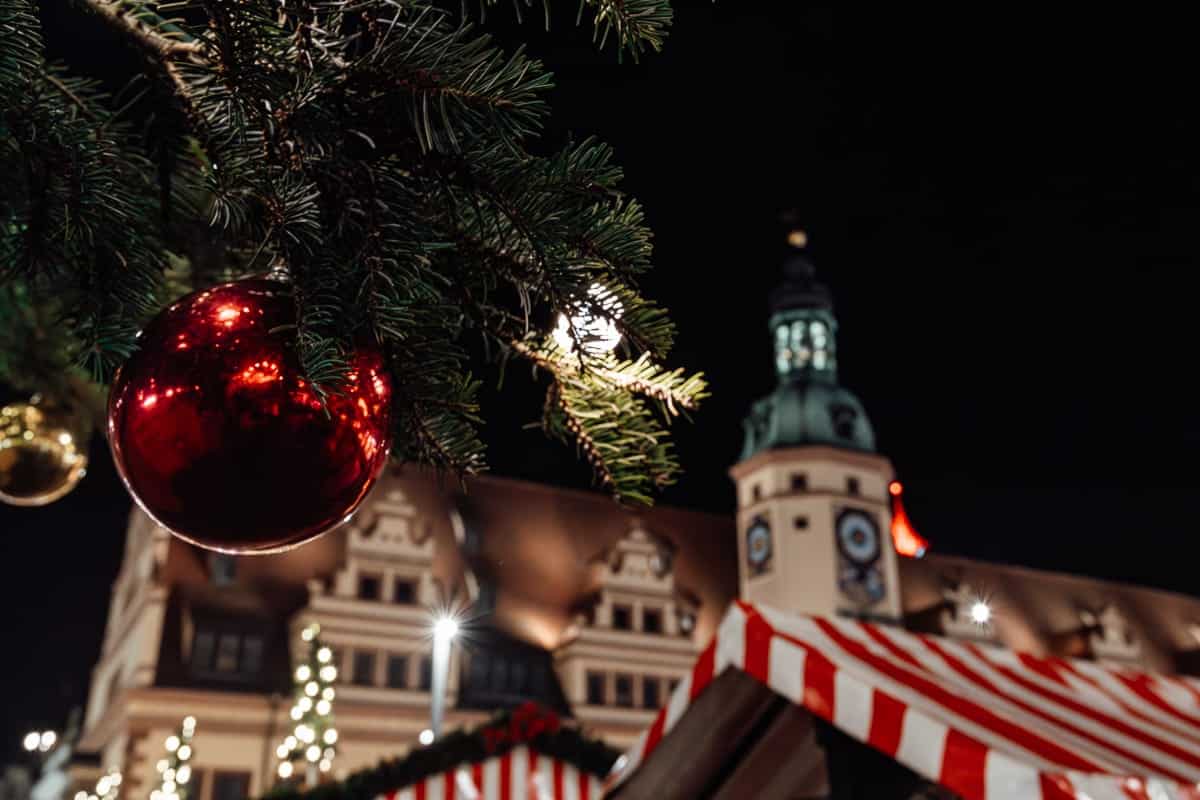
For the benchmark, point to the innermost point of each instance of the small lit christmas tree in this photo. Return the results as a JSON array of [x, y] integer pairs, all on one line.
[[313, 741], [176, 768]]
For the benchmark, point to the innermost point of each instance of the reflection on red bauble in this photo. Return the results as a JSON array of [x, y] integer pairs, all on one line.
[[221, 439]]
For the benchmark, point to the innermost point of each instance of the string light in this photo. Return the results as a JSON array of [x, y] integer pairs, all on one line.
[[310, 711], [425, 737], [598, 334]]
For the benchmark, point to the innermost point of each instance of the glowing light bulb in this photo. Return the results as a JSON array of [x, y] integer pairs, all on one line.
[[282, 751], [425, 736], [189, 723], [324, 654], [445, 628], [169, 775], [324, 707], [169, 787], [290, 742], [47, 740], [329, 673], [285, 769], [162, 765], [311, 688], [313, 753], [184, 774], [32, 740], [598, 334], [328, 693], [303, 673], [981, 613], [330, 736], [305, 703], [185, 752], [172, 743], [325, 765]]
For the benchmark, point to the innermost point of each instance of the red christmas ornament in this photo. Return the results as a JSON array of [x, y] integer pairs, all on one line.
[[224, 443]]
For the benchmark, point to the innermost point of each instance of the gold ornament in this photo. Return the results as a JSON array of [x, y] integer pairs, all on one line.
[[43, 452]]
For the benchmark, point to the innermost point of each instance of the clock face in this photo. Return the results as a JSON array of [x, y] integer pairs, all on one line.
[[758, 546], [858, 537]]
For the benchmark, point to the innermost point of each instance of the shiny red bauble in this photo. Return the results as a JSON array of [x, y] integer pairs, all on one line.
[[222, 441]]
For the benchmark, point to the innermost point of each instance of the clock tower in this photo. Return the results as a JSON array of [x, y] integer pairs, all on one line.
[[813, 505]]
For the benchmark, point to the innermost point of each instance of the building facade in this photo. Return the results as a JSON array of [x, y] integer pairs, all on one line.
[[566, 598]]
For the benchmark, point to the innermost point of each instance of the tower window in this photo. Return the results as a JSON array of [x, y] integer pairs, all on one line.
[[799, 482], [404, 592], [624, 687], [595, 688], [852, 486], [801, 523], [368, 587], [622, 618], [363, 673], [651, 620]]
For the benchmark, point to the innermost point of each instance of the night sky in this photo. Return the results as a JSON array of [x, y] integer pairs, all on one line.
[[1004, 205]]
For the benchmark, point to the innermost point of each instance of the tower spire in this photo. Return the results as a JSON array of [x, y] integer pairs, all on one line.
[[808, 406]]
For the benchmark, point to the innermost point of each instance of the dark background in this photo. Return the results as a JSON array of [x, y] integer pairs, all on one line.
[[1004, 203]]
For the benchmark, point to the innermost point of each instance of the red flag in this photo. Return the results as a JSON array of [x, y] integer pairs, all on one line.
[[905, 538]]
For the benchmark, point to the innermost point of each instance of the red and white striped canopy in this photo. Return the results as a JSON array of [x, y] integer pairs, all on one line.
[[985, 722], [520, 774]]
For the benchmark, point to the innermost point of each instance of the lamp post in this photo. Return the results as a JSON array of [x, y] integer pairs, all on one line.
[[444, 631]]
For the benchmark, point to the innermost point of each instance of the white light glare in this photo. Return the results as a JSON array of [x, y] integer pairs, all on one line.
[[324, 654], [313, 753], [981, 613], [47, 740], [598, 335], [32, 740], [285, 769], [425, 736], [185, 752], [172, 743], [329, 673], [445, 628], [330, 736]]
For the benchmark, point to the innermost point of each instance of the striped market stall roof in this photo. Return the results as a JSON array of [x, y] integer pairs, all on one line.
[[985, 722], [520, 774]]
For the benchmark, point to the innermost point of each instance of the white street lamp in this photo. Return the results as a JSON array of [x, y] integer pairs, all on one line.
[[445, 628]]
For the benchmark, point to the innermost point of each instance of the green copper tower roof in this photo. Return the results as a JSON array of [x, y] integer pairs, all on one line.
[[808, 407]]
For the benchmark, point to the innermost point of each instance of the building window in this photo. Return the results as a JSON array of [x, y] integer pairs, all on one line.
[[202, 650], [595, 689], [799, 482], [223, 569], [852, 485], [363, 673], [252, 653], [756, 491], [404, 592], [195, 787], [426, 676], [651, 620], [622, 618], [227, 653], [368, 587], [230, 785], [650, 698], [397, 672], [801, 523], [624, 687]]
